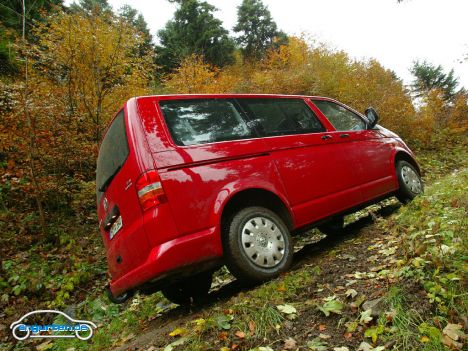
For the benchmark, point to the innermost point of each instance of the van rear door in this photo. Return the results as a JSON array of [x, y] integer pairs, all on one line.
[[119, 212]]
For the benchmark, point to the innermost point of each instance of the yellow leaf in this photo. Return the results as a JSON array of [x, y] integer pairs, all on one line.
[[178, 332], [424, 339]]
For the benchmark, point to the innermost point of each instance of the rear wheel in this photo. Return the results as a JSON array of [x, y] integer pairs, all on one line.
[[409, 180], [257, 245], [333, 227], [189, 291]]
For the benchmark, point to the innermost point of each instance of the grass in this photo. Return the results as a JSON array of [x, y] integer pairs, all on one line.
[[410, 330], [433, 233]]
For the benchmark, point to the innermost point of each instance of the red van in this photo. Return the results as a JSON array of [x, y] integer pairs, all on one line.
[[188, 183]]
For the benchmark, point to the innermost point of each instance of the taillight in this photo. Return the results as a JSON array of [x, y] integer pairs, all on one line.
[[149, 190]]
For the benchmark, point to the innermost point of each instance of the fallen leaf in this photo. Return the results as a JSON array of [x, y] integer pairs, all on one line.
[[453, 331], [351, 293], [178, 342], [289, 344], [281, 287], [389, 251], [342, 348], [317, 345], [324, 336], [451, 343], [252, 327], [240, 334], [45, 346], [364, 346], [286, 309], [178, 332], [322, 327], [358, 302], [224, 321], [424, 339], [351, 326], [333, 306], [365, 317]]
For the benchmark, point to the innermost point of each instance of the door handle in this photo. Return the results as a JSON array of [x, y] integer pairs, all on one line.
[[326, 136], [344, 135]]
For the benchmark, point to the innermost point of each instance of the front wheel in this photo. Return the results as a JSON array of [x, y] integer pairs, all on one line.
[[410, 182], [257, 245], [192, 290]]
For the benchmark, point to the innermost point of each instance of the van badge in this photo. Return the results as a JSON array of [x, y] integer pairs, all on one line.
[[105, 204]]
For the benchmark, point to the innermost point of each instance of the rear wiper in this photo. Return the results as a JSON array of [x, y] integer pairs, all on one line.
[[106, 184]]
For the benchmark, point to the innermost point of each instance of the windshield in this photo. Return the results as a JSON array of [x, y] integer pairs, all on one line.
[[112, 154]]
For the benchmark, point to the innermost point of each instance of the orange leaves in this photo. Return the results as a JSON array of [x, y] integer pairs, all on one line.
[[194, 76]]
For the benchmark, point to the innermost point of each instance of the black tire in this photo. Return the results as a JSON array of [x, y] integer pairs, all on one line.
[[189, 291], [409, 180], [270, 237], [333, 227]]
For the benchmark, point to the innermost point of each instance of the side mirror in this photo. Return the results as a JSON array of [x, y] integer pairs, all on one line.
[[372, 117]]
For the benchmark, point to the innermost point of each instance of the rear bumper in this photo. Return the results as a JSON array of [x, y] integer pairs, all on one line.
[[170, 256]]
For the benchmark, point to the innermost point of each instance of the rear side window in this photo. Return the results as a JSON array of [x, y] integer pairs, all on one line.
[[204, 121], [282, 116], [112, 154]]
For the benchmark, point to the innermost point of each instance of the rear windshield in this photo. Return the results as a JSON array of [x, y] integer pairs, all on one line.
[[204, 121], [112, 154]]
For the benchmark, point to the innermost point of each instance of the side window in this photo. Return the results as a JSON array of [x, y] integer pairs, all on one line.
[[341, 118], [200, 121], [282, 116]]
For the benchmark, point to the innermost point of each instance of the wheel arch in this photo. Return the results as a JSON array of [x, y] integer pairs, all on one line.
[[402, 155], [256, 197]]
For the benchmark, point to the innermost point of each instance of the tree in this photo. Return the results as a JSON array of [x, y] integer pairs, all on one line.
[[92, 58], [194, 30], [90, 7], [429, 77], [11, 26], [258, 30], [11, 12], [137, 20]]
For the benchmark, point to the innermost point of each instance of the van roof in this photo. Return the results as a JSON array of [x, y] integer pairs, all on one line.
[[237, 95]]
